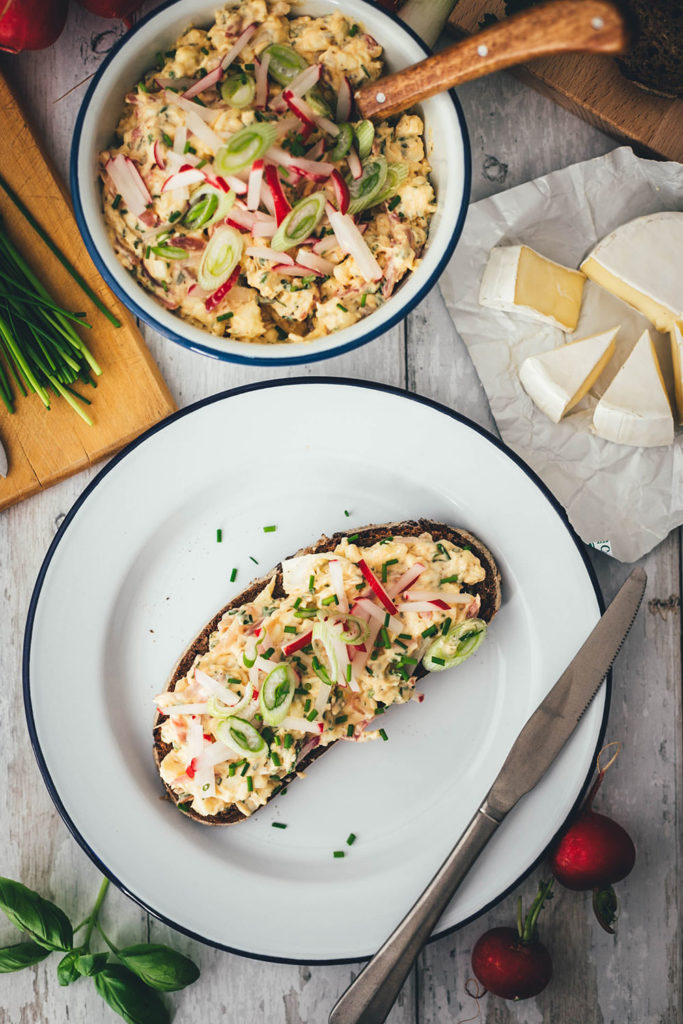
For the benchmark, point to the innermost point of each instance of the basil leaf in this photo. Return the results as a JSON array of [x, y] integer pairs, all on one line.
[[129, 997], [160, 967], [90, 964], [44, 921], [24, 954], [66, 968]]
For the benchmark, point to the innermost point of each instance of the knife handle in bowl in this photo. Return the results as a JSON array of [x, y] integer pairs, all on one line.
[[370, 997], [561, 26]]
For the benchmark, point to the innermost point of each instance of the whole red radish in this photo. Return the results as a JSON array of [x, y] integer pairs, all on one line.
[[512, 962], [30, 24], [594, 852], [111, 8]]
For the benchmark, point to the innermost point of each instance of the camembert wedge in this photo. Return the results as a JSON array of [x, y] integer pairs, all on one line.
[[677, 360], [518, 280], [640, 263], [559, 379], [635, 408]]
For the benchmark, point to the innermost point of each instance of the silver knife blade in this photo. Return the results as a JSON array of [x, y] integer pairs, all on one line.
[[3, 460], [556, 717]]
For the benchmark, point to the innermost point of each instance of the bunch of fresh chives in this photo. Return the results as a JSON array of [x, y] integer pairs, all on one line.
[[39, 345]]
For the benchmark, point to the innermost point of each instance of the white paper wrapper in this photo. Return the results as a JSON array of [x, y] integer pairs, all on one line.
[[619, 499]]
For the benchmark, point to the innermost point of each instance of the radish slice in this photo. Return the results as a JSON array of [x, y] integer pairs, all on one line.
[[242, 219], [291, 724], [326, 125], [321, 266], [217, 297], [183, 179], [326, 244], [174, 710], [159, 156], [376, 586], [296, 645], [316, 151], [354, 164], [341, 191], [254, 186], [296, 270], [305, 80], [265, 664], [194, 744], [373, 612], [437, 596], [286, 124], [216, 689], [264, 228], [205, 134], [240, 43], [337, 575], [207, 82], [404, 581], [302, 111], [344, 100], [420, 607], [126, 179], [263, 253], [188, 106], [180, 140], [281, 206], [173, 83], [261, 78], [351, 241], [360, 661]]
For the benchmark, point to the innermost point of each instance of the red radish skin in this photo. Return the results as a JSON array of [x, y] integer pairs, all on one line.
[[30, 24], [594, 852], [509, 967]]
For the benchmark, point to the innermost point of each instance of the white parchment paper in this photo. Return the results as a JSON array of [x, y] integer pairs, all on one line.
[[620, 499]]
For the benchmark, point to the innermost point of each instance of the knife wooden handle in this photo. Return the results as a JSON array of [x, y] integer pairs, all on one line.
[[370, 997], [562, 26]]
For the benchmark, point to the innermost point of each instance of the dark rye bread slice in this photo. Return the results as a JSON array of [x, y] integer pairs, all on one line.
[[488, 591]]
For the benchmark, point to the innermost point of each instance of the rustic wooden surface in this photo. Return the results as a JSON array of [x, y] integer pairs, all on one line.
[[592, 87], [131, 395], [633, 978]]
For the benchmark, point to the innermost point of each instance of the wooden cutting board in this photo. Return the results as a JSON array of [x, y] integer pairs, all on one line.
[[45, 446], [591, 87]]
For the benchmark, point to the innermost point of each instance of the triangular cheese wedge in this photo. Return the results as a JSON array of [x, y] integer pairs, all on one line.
[[518, 280], [677, 360], [635, 408], [640, 263], [558, 379]]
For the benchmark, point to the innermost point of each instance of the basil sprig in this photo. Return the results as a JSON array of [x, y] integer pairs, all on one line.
[[130, 986]]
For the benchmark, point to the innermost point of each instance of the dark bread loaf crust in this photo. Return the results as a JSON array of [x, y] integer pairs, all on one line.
[[488, 591], [654, 60]]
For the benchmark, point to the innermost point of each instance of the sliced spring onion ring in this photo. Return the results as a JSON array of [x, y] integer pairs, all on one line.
[[317, 104], [218, 709], [458, 643], [169, 252], [209, 205], [365, 136], [277, 691], [360, 630], [300, 222], [343, 143], [241, 735], [285, 63], [323, 632], [245, 146], [239, 90], [220, 258], [364, 190], [396, 175]]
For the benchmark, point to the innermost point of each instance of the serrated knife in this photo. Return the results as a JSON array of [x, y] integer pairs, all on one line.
[[370, 997]]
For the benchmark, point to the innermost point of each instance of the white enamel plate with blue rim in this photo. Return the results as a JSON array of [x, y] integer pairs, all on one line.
[[136, 571]]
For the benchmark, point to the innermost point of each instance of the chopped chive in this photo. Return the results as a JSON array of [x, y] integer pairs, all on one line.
[[343, 308], [288, 740], [353, 31], [394, 202], [312, 715], [311, 581], [250, 782], [446, 626], [338, 853], [279, 824], [379, 711], [348, 673], [307, 706], [385, 636], [399, 643], [233, 575], [224, 316], [219, 536], [275, 758], [350, 730], [254, 560], [408, 661], [386, 619], [231, 769], [332, 599], [269, 529], [405, 636], [351, 839], [117, 200], [383, 735], [269, 653], [290, 629], [429, 632], [353, 538], [245, 769], [438, 661], [449, 579], [363, 299], [340, 718], [346, 512], [297, 602]]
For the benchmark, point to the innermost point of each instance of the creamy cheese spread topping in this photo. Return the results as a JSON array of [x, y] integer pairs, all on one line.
[[235, 128], [395, 597]]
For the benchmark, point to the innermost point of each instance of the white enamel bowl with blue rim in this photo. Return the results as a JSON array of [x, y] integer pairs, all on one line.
[[447, 150]]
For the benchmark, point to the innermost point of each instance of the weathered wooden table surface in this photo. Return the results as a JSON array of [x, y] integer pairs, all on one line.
[[633, 978]]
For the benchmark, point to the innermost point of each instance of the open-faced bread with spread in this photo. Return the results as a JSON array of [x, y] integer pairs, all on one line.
[[311, 654]]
